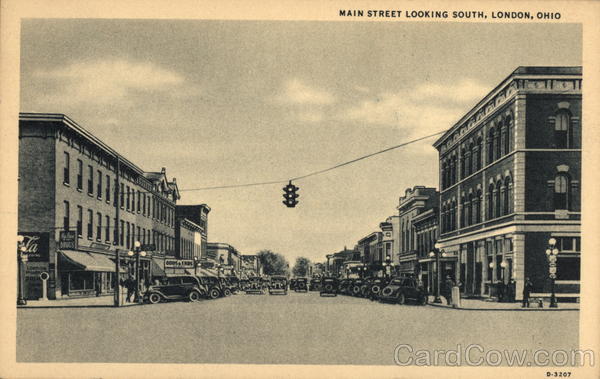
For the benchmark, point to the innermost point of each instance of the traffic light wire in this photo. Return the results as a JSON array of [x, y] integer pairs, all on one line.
[[317, 172]]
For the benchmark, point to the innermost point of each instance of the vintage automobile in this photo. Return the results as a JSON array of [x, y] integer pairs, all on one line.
[[401, 289], [215, 286], [255, 285], [301, 285], [243, 284], [329, 286], [343, 286], [226, 286], [374, 287], [355, 287], [183, 287], [234, 284], [278, 285], [315, 284], [292, 284]]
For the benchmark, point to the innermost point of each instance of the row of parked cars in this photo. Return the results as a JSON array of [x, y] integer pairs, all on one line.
[[399, 290], [190, 287]]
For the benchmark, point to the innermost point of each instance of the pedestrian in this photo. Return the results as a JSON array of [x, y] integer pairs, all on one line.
[[98, 284], [527, 288], [130, 286], [447, 289], [512, 289]]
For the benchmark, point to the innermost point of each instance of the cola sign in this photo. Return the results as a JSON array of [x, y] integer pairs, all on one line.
[[36, 246]]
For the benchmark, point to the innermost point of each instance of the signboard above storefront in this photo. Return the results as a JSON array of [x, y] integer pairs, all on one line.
[[179, 263], [36, 246], [67, 239]]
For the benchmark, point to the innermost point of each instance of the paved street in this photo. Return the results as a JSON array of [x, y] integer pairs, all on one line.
[[295, 329]]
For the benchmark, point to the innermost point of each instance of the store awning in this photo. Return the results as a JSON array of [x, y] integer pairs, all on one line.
[[156, 269], [205, 272], [88, 261]]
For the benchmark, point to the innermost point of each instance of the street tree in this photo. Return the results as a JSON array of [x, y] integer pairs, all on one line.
[[273, 263], [302, 266]]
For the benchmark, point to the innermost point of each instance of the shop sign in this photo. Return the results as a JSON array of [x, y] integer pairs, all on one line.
[[179, 263], [36, 245], [68, 240]]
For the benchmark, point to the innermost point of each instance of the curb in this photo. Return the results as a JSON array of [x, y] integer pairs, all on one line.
[[506, 309]]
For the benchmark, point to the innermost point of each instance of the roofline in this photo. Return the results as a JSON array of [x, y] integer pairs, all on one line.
[[520, 71]]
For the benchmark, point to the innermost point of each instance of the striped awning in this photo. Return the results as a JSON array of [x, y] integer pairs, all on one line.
[[88, 261]]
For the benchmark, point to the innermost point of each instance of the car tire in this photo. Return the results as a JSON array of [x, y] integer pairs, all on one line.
[[423, 300], [154, 298], [194, 296], [214, 293], [401, 298], [227, 292]]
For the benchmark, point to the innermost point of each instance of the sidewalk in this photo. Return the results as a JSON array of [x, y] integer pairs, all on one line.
[[487, 305], [84, 302]]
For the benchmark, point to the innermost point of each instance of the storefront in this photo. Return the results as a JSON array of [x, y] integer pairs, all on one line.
[[85, 273]]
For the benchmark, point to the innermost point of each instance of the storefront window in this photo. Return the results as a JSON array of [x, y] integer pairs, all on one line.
[[568, 268]]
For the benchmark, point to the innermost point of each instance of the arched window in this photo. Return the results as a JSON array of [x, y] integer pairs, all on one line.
[[509, 134], [490, 202], [561, 191], [497, 144], [502, 148], [470, 210], [444, 174], [462, 211], [462, 163], [478, 207], [507, 195], [454, 168], [470, 159], [562, 130], [498, 199], [490, 144], [479, 152]]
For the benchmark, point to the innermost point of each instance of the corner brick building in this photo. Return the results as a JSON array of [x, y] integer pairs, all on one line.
[[78, 212], [510, 179]]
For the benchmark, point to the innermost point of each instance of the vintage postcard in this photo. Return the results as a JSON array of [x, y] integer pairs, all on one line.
[[299, 189]]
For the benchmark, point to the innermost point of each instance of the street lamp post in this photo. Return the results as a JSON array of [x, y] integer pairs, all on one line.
[[196, 262], [21, 259], [388, 262], [552, 253], [137, 251], [436, 253]]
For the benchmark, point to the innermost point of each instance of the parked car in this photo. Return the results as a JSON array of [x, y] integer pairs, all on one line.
[[355, 287], [315, 284], [278, 285], [226, 287], [234, 284], [374, 287], [329, 286], [292, 284], [399, 290], [301, 285], [255, 285], [184, 287], [214, 285], [343, 286], [243, 284]]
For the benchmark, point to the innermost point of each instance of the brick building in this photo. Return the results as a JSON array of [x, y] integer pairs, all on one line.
[[426, 234], [415, 201], [191, 230], [85, 202], [510, 178]]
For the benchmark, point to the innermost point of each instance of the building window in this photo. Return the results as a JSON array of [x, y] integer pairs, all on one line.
[[453, 216], [478, 163], [507, 196], [490, 148], [497, 144], [470, 160], [116, 232], [90, 180], [562, 130], [561, 192], [66, 168], [107, 189], [90, 225], [66, 212], [509, 134], [128, 242], [107, 228], [470, 210], [490, 202], [139, 195], [478, 207], [79, 174], [128, 203], [99, 185], [462, 211], [122, 233], [498, 198], [144, 205], [99, 227], [462, 164], [122, 196], [79, 221]]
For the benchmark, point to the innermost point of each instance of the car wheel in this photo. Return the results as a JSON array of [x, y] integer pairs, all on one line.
[[194, 296], [401, 298], [214, 293], [423, 300], [227, 292], [154, 298]]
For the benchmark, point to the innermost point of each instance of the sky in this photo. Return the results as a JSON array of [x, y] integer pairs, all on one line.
[[233, 102]]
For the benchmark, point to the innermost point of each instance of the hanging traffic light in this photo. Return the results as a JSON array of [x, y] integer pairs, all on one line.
[[290, 195]]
